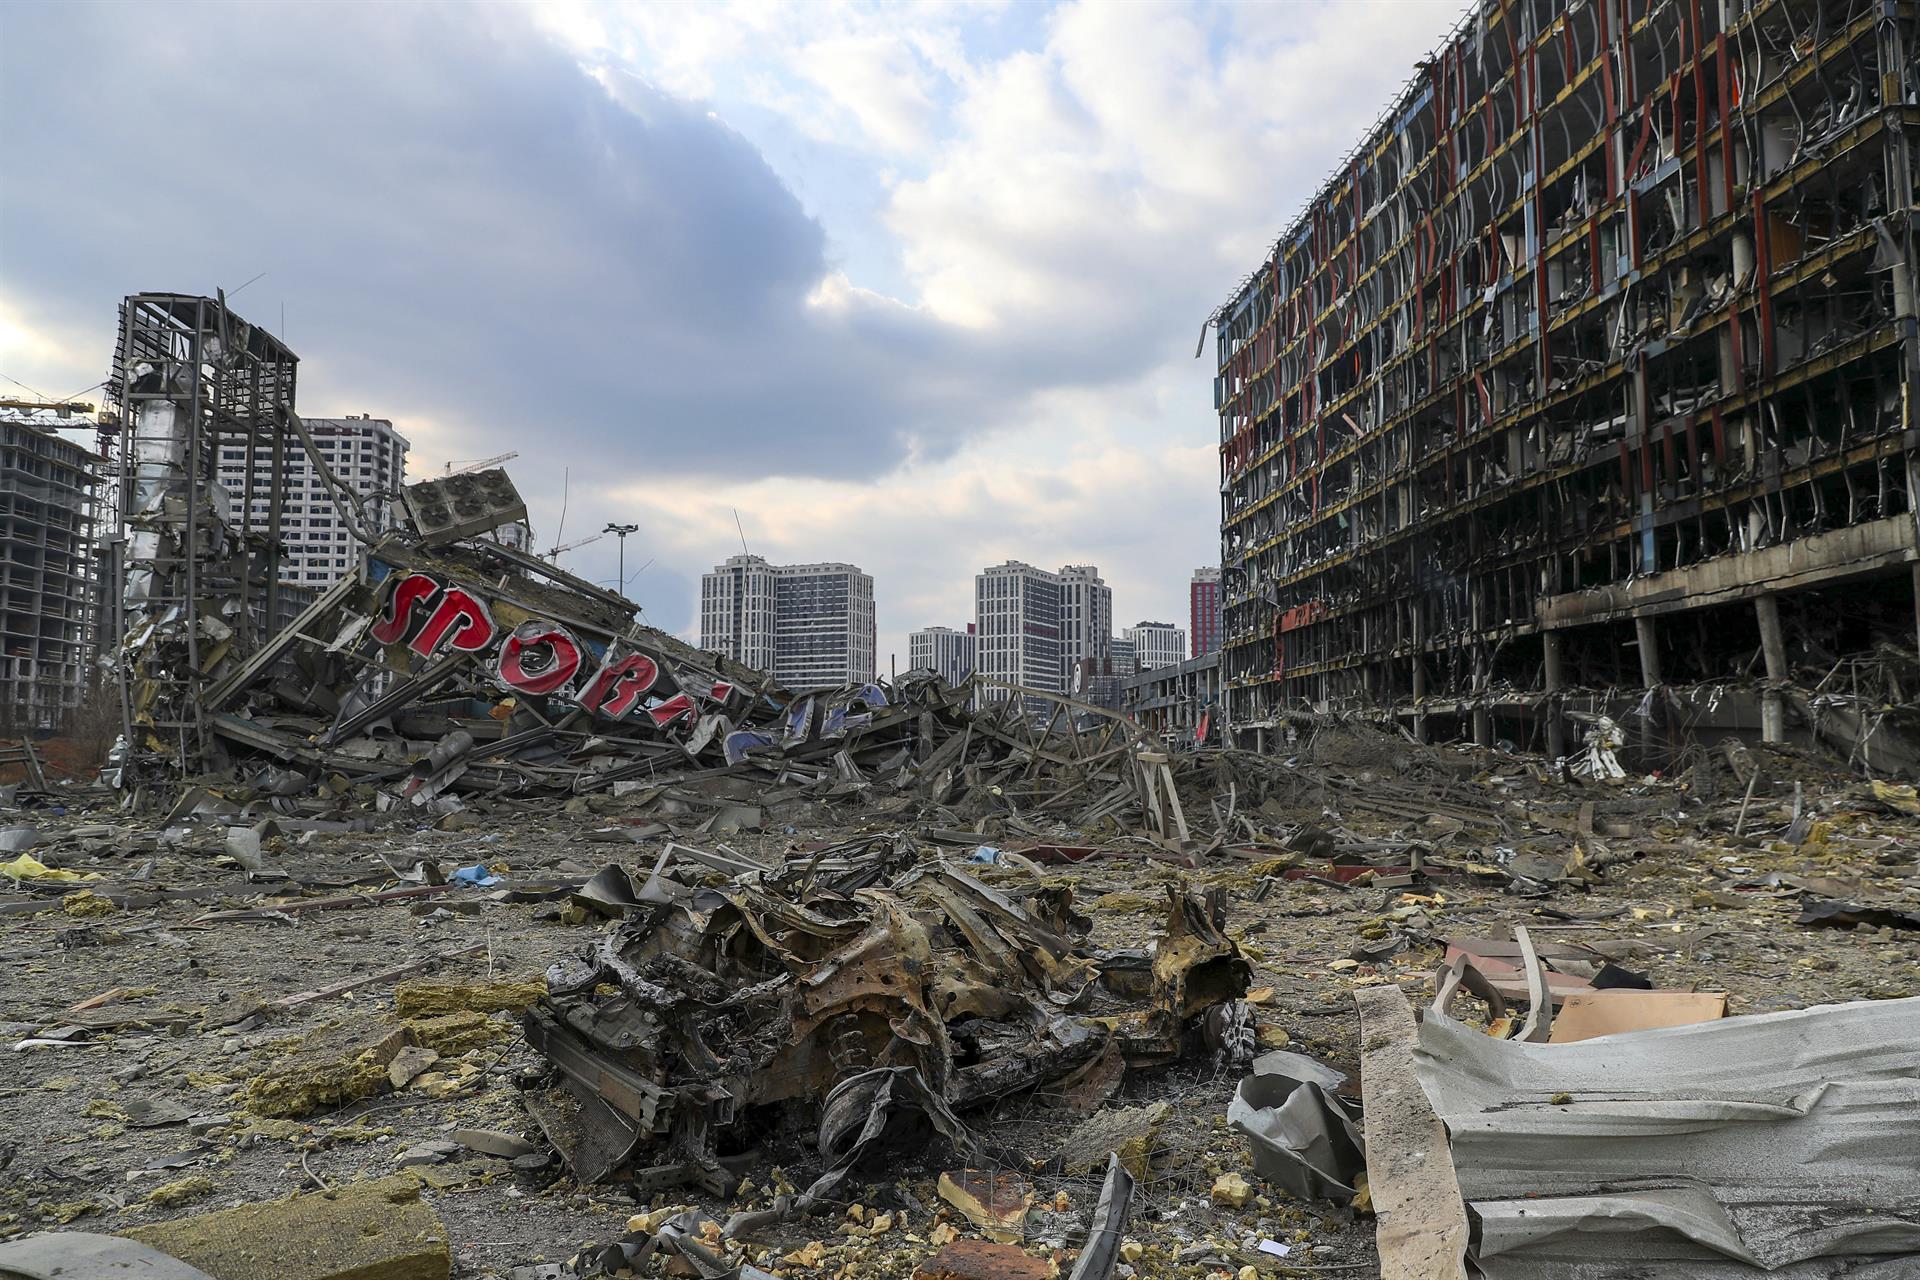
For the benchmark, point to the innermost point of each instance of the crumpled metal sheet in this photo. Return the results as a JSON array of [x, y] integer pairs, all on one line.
[[1302, 1137], [1783, 1144]]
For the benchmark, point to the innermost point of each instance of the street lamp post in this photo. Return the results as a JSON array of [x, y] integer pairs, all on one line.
[[621, 531]]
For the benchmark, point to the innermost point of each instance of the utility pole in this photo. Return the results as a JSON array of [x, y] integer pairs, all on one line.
[[621, 531]]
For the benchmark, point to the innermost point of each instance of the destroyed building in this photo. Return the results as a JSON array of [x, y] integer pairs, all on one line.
[[1588, 374]]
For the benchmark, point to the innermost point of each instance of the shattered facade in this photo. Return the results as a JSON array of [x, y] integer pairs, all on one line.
[[1590, 369], [190, 378], [1180, 700]]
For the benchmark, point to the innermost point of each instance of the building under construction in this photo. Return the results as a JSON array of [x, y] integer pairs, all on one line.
[[47, 494], [1589, 373]]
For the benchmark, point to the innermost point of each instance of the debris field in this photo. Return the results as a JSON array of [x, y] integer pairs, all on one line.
[[886, 1029], [455, 923]]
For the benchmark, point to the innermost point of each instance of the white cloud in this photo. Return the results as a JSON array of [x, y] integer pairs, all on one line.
[[878, 81], [53, 358]]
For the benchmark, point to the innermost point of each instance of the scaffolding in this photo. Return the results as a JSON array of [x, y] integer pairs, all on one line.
[[1588, 367]]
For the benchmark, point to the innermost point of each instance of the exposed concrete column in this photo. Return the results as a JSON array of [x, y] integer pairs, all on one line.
[[1482, 677], [1420, 678], [1916, 601], [1773, 646], [1649, 652], [1556, 727]]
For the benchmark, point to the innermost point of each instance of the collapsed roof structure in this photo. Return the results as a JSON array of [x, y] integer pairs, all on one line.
[[449, 663]]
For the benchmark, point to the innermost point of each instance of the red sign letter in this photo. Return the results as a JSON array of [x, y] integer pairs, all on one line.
[[460, 620], [539, 657], [406, 599], [672, 709], [616, 688]]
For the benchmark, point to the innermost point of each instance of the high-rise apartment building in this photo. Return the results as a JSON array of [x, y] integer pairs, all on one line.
[[47, 490], [823, 627], [944, 651], [736, 611], [1591, 365], [1203, 604], [1157, 644], [1017, 626], [1086, 623], [1126, 656], [364, 453], [809, 625]]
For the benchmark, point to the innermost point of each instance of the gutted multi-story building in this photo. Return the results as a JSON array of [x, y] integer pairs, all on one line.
[[47, 493], [942, 650], [1017, 628], [810, 625], [1203, 607], [364, 453], [1591, 368]]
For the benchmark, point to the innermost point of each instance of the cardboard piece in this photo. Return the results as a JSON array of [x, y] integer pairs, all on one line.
[[1586, 1014]]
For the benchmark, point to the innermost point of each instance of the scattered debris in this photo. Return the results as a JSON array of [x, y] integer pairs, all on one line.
[[761, 994], [996, 1203], [982, 1260], [809, 983]]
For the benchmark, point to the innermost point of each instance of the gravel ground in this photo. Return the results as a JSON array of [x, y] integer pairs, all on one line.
[[145, 1115]]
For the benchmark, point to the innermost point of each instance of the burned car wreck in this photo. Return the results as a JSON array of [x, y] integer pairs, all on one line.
[[725, 1008]]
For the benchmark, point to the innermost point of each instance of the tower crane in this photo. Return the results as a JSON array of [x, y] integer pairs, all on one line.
[[553, 554], [476, 464]]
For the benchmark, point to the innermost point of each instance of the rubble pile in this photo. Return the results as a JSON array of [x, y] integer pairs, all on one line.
[[711, 1007], [560, 948], [459, 667]]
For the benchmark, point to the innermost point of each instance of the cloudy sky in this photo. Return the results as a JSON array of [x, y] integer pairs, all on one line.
[[916, 287]]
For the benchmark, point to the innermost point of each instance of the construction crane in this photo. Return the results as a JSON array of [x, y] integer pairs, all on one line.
[[554, 553], [476, 464], [65, 408]]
